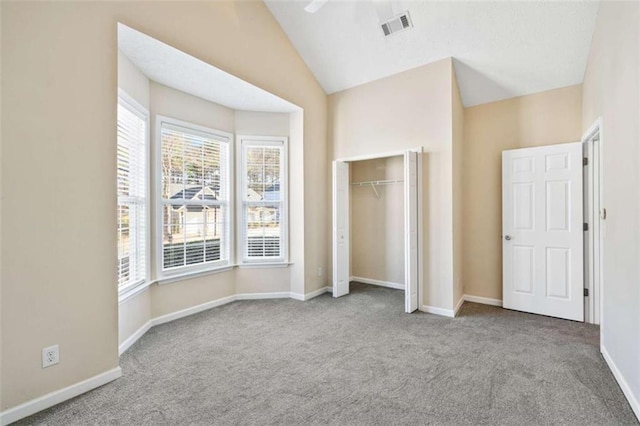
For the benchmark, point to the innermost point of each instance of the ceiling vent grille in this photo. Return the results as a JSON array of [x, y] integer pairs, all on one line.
[[399, 23]]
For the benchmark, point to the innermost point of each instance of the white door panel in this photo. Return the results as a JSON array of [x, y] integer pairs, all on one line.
[[411, 230], [340, 228], [542, 230]]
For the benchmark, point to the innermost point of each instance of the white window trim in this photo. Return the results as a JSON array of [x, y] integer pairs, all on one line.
[[204, 268], [127, 291], [243, 140]]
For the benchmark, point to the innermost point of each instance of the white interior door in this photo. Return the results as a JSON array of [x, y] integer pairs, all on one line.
[[542, 230], [411, 231], [340, 228]]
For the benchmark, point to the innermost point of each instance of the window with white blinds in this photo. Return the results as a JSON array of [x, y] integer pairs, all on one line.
[[132, 178], [194, 197], [263, 198]]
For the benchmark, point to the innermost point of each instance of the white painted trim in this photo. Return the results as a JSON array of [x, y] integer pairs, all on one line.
[[378, 155], [438, 311], [264, 265], [380, 283], [308, 296], [192, 310], [259, 296], [243, 141], [49, 400], [596, 284], [166, 276], [129, 341], [483, 300], [634, 401], [458, 306]]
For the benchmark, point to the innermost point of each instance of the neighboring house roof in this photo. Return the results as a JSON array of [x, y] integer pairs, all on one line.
[[272, 193], [195, 193]]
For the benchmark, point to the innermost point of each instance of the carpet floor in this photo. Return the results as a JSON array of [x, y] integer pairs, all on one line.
[[353, 361]]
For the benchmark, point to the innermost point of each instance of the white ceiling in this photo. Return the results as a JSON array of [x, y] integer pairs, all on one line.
[[501, 49], [174, 68]]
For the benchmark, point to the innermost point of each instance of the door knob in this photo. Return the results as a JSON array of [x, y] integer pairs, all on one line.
[[507, 237]]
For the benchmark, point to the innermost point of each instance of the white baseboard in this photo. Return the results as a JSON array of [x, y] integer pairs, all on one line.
[[483, 300], [458, 306], [259, 296], [213, 304], [49, 400], [192, 310], [634, 402], [129, 341], [438, 311], [311, 295], [388, 284]]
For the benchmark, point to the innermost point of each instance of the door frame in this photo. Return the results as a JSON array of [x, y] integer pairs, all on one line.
[[387, 154], [595, 216]]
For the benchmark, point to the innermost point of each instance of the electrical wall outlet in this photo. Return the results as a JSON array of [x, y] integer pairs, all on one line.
[[50, 356], [319, 271]]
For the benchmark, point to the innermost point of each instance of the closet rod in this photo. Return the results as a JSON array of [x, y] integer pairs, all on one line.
[[378, 182]]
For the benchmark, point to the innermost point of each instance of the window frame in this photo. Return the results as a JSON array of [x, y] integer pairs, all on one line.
[[262, 141], [173, 274], [127, 101]]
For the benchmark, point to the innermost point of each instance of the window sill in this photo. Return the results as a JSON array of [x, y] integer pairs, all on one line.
[[132, 291], [264, 265]]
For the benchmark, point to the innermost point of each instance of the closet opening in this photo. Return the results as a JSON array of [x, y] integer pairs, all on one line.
[[376, 211]]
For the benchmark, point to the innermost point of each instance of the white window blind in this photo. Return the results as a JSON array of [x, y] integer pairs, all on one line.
[[263, 199], [194, 197], [132, 194]]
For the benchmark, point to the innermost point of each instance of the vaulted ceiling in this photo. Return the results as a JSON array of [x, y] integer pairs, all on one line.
[[501, 49]]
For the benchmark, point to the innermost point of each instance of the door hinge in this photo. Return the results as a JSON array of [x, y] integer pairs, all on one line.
[[585, 226], [585, 161], [586, 292]]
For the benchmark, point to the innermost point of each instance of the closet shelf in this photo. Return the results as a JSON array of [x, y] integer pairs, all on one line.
[[374, 183], [378, 182]]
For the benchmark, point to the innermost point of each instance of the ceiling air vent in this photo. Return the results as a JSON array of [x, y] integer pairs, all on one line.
[[397, 24]]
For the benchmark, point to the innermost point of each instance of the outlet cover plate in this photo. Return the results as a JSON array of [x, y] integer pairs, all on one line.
[[50, 356]]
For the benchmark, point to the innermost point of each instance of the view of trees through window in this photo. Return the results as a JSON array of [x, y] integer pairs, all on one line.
[[194, 197]]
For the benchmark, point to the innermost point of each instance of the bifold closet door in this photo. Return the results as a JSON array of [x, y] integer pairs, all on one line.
[[411, 230], [340, 228]]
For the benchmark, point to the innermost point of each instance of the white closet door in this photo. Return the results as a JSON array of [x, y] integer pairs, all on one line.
[[411, 230], [542, 230], [340, 228]]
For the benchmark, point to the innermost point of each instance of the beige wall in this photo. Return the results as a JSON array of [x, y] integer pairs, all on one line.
[[132, 81], [539, 119], [408, 110], [252, 123], [59, 80], [133, 314], [612, 92], [377, 224], [457, 121]]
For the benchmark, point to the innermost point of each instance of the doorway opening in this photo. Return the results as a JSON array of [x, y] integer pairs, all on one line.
[[376, 203], [594, 216]]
